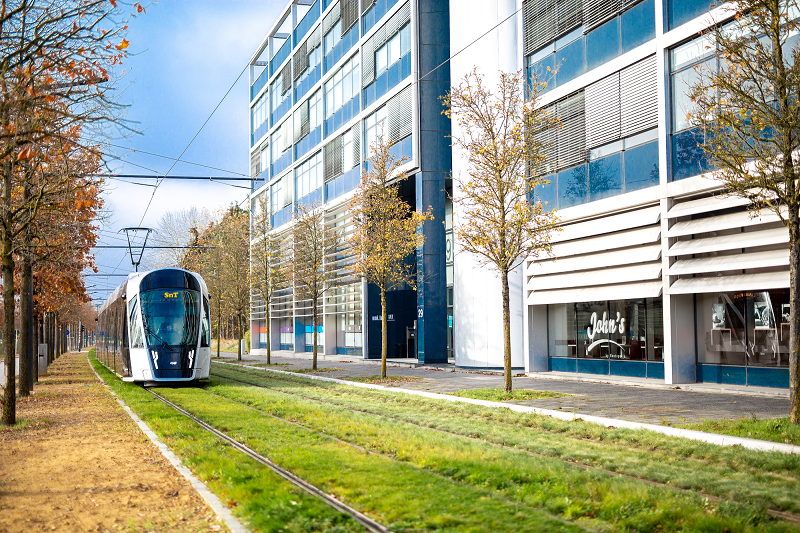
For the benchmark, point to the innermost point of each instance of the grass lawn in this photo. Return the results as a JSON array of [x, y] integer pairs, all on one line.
[[311, 371], [496, 394], [261, 499], [564, 469], [771, 429], [377, 380]]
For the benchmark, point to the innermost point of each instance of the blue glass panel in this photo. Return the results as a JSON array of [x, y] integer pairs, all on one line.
[[307, 83], [403, 149], [308, 142], [282, 217], [542, 71], [605, 177], [572, 187], [632, 369], [558, 364], [305, 24], [311, 198], [593, 366], [680, 11], [638, 25], [389, 78], [376, 12], [282, 109], [768, 377], [547, 194], [326, 3], [571, 61], [655, 370], [278, 59], [341, 48], [259, 83], [641, 167], [282, 163], [688, 157], [730, 375], [343, 184], [260, 131], [602, 44]]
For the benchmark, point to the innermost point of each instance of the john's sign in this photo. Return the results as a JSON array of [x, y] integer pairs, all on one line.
[[605, 325]]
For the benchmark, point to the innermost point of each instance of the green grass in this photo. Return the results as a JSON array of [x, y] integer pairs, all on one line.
[[261, 499], [496, 394], [377, 380], [269, 364], [771, 429], [525, 458], [24, 424]]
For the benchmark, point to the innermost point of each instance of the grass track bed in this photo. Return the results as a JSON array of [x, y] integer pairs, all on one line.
[[261, 499], [590, 498]]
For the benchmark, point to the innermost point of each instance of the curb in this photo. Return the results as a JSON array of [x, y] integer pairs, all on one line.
[[209, 497], [700, 436]]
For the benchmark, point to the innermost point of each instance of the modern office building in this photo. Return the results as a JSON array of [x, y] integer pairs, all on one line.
[[329, 76], [657, 273]]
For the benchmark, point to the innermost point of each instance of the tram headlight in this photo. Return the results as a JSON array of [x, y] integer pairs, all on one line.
[[154, 355], [191, 358]]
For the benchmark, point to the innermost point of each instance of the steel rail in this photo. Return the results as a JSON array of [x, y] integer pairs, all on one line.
[[784, 515], [359, 517]]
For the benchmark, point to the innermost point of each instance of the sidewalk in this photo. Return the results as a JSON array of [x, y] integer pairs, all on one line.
[[647, 401], [81, 464]]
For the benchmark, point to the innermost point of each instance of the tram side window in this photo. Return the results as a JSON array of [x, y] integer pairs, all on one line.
[[137, 338], [205, 336]]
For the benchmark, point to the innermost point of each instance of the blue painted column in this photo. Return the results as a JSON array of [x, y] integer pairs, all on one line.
[[435, 158]]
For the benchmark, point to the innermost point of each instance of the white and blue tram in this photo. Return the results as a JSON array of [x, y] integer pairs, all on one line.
[[155, 327]]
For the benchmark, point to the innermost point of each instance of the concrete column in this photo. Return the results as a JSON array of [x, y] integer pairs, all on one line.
[[329, 334], [536, 360]]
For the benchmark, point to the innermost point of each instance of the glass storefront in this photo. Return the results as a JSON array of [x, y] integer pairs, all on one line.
[[618, 329], [743, 328]]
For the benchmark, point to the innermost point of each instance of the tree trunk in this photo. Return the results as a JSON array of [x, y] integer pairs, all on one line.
[[314, 334], [384, 333], [25, 328], [239, 328], [794, 318], [219, 326], [35, 330], [269, 337], [506, 336], [9, 397]]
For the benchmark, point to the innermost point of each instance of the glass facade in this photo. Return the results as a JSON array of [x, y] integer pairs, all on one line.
[[743, 328], [616, 329], [577, 52]]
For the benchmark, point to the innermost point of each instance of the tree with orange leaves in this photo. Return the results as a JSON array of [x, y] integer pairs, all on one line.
[[58, 60]]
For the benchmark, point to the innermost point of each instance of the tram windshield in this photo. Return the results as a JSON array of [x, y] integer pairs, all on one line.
[[171, 316]]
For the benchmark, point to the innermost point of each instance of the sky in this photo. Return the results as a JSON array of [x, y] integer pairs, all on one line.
[[185, 55]]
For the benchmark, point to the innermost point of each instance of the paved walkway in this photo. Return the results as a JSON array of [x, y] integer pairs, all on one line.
[[647, 401]]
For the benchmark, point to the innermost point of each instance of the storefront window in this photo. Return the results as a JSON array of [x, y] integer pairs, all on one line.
[[617, 329], [744, 329]]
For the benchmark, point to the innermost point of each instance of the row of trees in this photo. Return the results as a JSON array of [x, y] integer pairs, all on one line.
[[59, 61]]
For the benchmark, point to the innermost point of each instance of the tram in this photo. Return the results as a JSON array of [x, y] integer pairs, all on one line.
[[155, 327]]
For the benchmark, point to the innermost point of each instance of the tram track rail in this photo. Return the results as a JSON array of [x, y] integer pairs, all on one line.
[[783, 515], [359, 517]]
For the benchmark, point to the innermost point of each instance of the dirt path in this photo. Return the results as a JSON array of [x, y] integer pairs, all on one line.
[[79, 463]]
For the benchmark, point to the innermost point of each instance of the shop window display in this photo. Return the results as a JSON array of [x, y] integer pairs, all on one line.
[[744, 328], [618, 329]]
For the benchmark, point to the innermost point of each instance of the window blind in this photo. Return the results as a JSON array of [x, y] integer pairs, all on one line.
[[286, 128], [599, 11], [333, 159], [365, 5], [639, 100], [399, 115], [356, 131], [301, 121], [314, 39], [349, 14], [331, 18], [538, 24], [255, 164], [572, 135], [286, 75], [378, 39], [569, 15], [300, 60], [603, 111]]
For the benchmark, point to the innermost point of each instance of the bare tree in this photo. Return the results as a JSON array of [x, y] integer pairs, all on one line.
[[386, 231], [266, 274], [497, 220], [750, 114], [178, 229], [312, 243]]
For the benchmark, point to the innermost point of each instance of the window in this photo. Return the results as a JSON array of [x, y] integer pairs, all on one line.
[[264, 157], [394, 49], [350, 158], [374, 125], [333, 36], [277, 144], [343, 86], [681, 11], [137, 339], [275, 90], [205, 332], [259, 111], [315, 110], [308, 176], [277, 196]]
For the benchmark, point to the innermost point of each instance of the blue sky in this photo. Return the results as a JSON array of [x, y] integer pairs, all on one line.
[[185, 54]]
